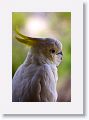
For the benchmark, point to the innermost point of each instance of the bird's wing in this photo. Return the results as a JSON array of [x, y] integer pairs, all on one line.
[[43, 85]]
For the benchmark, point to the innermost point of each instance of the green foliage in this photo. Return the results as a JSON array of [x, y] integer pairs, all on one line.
[[18, 19]]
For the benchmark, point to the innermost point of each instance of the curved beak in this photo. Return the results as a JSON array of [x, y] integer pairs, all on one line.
[[61, 53]]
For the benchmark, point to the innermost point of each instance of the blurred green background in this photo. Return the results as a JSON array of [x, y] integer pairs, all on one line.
[[43, 24]]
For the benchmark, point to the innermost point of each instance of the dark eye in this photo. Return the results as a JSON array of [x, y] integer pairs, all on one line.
[[52, 51]]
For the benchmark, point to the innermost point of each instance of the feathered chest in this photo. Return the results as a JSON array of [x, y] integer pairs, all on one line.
[[36, 81], [32, 70]]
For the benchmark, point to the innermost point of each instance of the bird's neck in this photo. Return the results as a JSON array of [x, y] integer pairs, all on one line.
[[38, 59]]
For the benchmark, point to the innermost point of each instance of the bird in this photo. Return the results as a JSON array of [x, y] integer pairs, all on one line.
[[35, 80]]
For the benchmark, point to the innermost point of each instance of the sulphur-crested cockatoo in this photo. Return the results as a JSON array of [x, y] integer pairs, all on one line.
[[35, 80]]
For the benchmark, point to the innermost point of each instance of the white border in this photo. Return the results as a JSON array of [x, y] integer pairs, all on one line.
[[76, 9]]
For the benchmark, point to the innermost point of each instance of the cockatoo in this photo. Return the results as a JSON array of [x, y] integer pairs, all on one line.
[[36, 79]]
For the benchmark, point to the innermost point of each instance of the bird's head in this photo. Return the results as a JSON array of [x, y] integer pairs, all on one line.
[[47, 49]]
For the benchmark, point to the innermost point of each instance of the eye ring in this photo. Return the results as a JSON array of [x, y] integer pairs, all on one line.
[[52, 51]]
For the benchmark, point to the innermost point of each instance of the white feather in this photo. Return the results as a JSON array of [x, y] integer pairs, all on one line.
[[35, 83], [35, 80]]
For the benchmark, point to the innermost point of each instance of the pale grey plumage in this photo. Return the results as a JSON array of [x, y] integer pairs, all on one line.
[[35, 80]]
